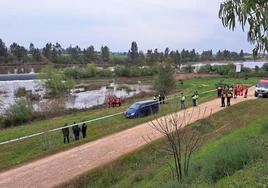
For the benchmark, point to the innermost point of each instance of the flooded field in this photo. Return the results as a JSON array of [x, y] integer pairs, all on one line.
[[78, 98]]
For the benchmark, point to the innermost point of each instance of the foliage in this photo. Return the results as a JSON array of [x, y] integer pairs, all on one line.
[[19, 112], [133, 53], [165, 81], [20, 92], [55, 81], [228, 158], [252, 15], [105, 53]]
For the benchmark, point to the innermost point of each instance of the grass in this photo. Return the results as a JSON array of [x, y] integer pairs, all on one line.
[[34, 148], [242, 123]]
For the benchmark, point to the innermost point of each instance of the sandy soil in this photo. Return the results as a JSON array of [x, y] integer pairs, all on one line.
[[61, 167]]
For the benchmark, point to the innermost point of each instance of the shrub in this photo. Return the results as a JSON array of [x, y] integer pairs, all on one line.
[[20, 92], [55, 81], [19, 112], [165, 81], [228, 158]]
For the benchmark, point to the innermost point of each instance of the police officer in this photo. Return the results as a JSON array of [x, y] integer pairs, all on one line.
[[84, 130], [77, 131], [182, 101], [65, 132]]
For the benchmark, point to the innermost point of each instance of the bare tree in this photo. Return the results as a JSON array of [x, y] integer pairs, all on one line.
[[181, 140]]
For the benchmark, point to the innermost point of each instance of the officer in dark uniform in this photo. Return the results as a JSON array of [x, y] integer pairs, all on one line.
[[66, 133], [77, 131], [84, 130]]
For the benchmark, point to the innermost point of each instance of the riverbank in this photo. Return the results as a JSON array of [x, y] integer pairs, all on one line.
[[50, 143]]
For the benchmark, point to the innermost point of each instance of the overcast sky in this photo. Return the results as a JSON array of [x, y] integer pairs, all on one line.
[[158, 24]]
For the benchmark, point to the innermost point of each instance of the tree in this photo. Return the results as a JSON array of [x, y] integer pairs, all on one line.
[[252, 15], [165, 81], [105, 53], [3, 51], [166, 53], [31, 48], [75, 53], [47, 51], [18, 51], [90, 54], [55, 81], [181, 141], [133, 53], [36, 54]]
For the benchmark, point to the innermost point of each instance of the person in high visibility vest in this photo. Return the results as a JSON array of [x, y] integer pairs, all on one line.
[[194, 99], [182, 101], [197, 97]]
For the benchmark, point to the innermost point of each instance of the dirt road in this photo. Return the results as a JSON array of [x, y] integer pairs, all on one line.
[[61, 167]]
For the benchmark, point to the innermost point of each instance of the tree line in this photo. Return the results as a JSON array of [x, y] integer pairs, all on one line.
[[55, 53]]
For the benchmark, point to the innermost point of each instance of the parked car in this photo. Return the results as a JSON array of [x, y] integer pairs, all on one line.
[[262, 88], [142, 108]]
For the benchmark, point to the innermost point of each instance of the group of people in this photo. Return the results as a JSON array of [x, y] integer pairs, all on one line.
[[226, 92], [114, 102], [161, 98], [76, 132], [195, 98]]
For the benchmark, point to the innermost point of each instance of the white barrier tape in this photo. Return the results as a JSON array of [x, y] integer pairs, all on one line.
[[88, 121]]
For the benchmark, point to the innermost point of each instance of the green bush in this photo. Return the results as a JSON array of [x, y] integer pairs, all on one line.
[[19, 112], [228, 158], [55, 81]]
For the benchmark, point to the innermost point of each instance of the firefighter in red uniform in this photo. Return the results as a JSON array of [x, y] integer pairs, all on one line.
[[246, 93]]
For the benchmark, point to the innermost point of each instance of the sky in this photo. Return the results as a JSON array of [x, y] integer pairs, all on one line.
[[176, 24]]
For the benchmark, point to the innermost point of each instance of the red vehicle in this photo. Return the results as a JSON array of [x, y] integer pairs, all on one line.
[[262, 88]]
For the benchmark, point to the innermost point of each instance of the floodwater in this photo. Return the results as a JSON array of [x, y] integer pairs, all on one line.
[[247, 64], [77, 99]]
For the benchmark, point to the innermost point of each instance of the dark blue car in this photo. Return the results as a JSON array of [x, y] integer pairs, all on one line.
[[142, 108]]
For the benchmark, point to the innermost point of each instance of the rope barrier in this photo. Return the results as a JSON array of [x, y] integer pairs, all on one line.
[[88, 121]]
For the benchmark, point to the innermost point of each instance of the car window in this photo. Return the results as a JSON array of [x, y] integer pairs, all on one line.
[[263, 85], [135, 106]]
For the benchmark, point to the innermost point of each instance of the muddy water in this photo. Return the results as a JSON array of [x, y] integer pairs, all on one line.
[[77, 99]]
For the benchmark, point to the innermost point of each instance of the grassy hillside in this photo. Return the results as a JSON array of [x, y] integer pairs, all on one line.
[[20, 152], [234, 154]]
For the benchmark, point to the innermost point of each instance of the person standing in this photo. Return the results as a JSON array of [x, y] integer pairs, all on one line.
[[182, 101], [197, 97], [194, 98], [242, 90], [77, 132], [229, 96], [223, 95], [246, 93], [73, 129], [219, 91], [163, 98], [235, 92], [65, 131], [84, 130], [160, 99]]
